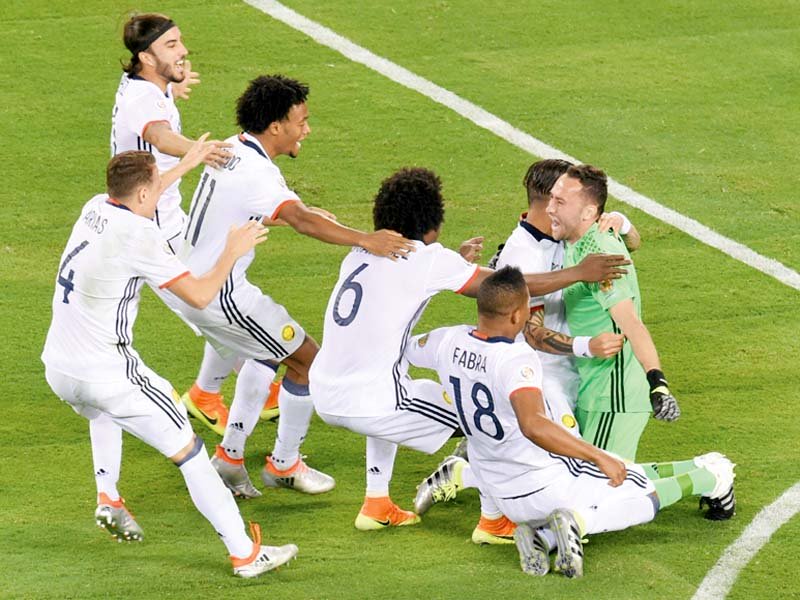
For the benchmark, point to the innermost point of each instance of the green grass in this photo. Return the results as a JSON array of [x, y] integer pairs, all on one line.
[[692, 104]]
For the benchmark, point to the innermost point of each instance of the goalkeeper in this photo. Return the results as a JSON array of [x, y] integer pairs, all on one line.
[[616, 395]]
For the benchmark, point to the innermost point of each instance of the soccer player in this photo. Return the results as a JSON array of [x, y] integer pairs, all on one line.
[[90, 363], [145, 117], [533, 468], [359, 379], [243, 322], [616, 395]]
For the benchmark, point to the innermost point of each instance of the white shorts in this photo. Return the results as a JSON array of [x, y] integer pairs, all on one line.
[[424, 422], [581, 487], [265, 331], [173, 303], [560, 396], [147, 407]]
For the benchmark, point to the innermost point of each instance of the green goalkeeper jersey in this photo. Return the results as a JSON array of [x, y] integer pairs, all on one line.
[[616, 384]]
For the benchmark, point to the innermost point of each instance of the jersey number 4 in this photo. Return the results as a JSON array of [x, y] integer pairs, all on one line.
[[484, 409], [67, 281], [350, 284]]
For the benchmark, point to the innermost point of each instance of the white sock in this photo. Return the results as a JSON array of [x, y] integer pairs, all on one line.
[[106, 439], [216, 503], [549, 537], [214, 370], [488, 507], [380, 466], [252, 386], [468, 478], [618, 514], [296, 409]]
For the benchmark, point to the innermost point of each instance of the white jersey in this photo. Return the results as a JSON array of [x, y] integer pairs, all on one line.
[[533, 251], [480, 374], [139, 104], [249, 186], [360, 370], [110, 254]]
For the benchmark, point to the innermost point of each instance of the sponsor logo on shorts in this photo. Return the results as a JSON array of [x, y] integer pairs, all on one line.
[[287, 333]]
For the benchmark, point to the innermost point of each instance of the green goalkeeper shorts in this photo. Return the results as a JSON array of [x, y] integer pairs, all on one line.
[[616, 432]]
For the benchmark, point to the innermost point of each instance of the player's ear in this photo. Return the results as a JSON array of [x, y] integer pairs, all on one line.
[[147, 58]]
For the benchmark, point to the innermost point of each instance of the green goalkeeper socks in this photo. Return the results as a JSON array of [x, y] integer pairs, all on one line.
[[697, 482], [667, 469]]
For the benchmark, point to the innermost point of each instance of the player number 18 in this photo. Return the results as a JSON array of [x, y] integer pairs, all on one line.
[[484, 409]]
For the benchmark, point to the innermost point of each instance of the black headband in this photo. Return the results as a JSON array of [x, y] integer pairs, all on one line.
[[157, 33]]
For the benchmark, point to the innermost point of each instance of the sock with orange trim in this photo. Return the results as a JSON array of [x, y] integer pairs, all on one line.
[[214, 501], [380, 466], [106, 437], [296, 409], [214, 370]]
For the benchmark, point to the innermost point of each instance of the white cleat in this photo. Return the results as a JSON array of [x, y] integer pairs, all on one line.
[[112, 516], [235, 478], [299, 477], [263, 558], [569, 554], [533, 556], [721, 501]]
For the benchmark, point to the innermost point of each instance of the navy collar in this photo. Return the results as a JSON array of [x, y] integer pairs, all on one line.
[[117, 204], [139, 78], [536, 233], [491, 340], [253, 144]]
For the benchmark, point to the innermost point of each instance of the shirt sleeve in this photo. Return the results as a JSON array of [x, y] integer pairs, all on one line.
[[423, 350], [150, 257], [270, 194], [449, 271], [520, 372], [141, 111]]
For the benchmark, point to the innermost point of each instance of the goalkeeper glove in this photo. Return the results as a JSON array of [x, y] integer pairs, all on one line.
[[665, 406]]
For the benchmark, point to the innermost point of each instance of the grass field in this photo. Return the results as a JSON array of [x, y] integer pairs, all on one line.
[[692, 104]]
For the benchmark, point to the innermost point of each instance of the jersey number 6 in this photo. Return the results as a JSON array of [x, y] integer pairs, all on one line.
[[349, 284]]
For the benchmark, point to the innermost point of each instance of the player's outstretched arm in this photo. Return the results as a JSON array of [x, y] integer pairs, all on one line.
[[197, 154], [161, 135], [471, 249], [319, 226], [665, 406], [199, 291], [621, 225], [538, 428], [604, 345]]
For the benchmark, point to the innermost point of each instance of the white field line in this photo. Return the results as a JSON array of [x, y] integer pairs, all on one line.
[[530, 144], [721, 577], [719, 580]]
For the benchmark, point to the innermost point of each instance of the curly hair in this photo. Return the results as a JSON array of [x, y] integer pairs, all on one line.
[[267, 99], [541, 177], [410, 202]]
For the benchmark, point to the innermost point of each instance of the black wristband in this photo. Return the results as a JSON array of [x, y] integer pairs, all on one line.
[[656, 378]]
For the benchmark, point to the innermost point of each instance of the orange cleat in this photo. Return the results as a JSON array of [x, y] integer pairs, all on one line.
[[206, 407], [379, 513], [494, 531], [271, 411]]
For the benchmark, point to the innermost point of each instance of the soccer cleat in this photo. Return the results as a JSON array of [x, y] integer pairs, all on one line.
[[206, 407], [112, 516], [569, 554], [298, 477], [533, 555], [380, 513], [462, 449], [440, 486], [271, 411], [721, 501], [263, 558], [234, 474], [494, 531]]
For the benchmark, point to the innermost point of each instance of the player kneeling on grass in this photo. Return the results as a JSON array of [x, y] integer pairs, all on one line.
[[359, 379], [532, 468], [90, 363]]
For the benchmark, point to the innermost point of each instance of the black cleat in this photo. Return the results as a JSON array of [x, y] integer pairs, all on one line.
[[720, 509]]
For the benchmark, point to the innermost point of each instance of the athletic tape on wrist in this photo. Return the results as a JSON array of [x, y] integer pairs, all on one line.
[[580, 346]]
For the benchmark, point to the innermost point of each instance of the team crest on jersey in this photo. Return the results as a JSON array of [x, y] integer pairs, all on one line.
[[287, 333], [422, 341], [527, 373], [446, 397], [568, 421], [161, 104]]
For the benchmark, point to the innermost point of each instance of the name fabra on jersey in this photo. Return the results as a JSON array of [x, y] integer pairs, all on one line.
[[469, 360]]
